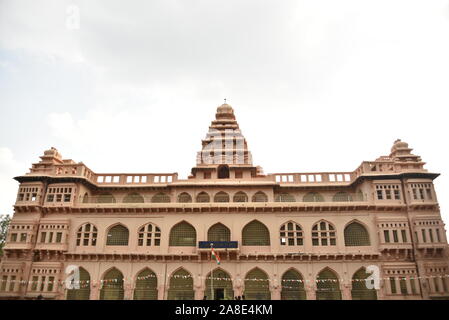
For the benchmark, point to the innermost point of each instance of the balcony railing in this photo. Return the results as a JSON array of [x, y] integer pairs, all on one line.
[[135, 200]]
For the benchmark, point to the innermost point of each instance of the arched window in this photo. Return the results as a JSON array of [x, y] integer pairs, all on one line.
[[328, 286], [220, 282], [260, 197], [86, 198], [360, 196], [86, 235], [323, 234], [284, 197], [184, 198], [356, 235], [218, 232], [202, 197], [359, 289], [181, 286], [117, 236], [182, 235], [112, 286], [105, 198], [133, 198], [240, 197], [257, 286], [223, 172], [160, 198], [149, 235], [313, 197], [293, 286], [81, 288], [255, 233], [342, 197], [221, 197], [146, 286], [291, 234]]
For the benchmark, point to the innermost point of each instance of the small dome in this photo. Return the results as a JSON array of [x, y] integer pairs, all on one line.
[[398, 144], [225, 111], [52, 152], [225, 108]]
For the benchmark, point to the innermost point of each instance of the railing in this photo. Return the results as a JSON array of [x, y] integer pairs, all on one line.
[[80, 170], [315, 177], [136, 199]]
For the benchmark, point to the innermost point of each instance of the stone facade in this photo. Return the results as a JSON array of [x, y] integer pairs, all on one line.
[[282, 235]]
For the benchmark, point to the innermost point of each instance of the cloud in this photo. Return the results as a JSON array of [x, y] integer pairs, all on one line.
[[9, 168]]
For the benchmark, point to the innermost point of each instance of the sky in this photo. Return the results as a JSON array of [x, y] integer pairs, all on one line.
[[131, 87]]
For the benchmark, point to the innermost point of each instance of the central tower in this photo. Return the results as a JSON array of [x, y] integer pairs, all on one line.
[[224, 152]]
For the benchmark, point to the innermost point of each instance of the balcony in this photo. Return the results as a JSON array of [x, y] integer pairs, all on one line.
[[219, 245]]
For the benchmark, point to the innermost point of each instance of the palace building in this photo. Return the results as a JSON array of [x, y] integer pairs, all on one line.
[[372, 233]]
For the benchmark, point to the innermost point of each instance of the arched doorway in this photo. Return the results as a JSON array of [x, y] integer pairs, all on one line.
[[292, 286], [181, 286], [328, 286], [219, 286], [81, 290], [146, 286], [257, 286], [112, 288], [359, 289]]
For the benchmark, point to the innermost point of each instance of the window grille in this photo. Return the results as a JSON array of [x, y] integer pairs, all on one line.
[[86, 235], [112, 288], [218, 232], [117, 236], [105, 198], [160, 198], [342, 197], [221, 197], [323, 234], [203, 197], [359, 289], [255, 233], [356, 235], [133, 198], [284, 197], [328, 286], [403, 285], [240, 197], [260, 197], [257, 286], [313, 197], [221, 280], [146, 286], [83, 293], [181, 286], [149, 235], [183, 235], [184, 198], [292, 286], [291, 234]]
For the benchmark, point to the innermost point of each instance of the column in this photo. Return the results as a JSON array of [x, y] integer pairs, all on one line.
[[310, 290], [95, 291], [346, 291], [129, 290]]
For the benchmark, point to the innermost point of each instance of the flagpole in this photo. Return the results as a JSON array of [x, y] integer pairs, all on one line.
[[212, 271]]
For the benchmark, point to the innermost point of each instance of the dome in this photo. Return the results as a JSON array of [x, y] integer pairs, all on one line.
[[225, 111], [398, 144], [225, 108]]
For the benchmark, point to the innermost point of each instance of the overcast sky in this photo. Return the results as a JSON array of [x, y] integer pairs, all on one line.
[[315, 85]]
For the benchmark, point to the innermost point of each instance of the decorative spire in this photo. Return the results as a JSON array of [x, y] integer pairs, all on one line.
[[224, 143]]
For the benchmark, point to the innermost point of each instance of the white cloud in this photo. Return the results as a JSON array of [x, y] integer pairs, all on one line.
[[9, 168]]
